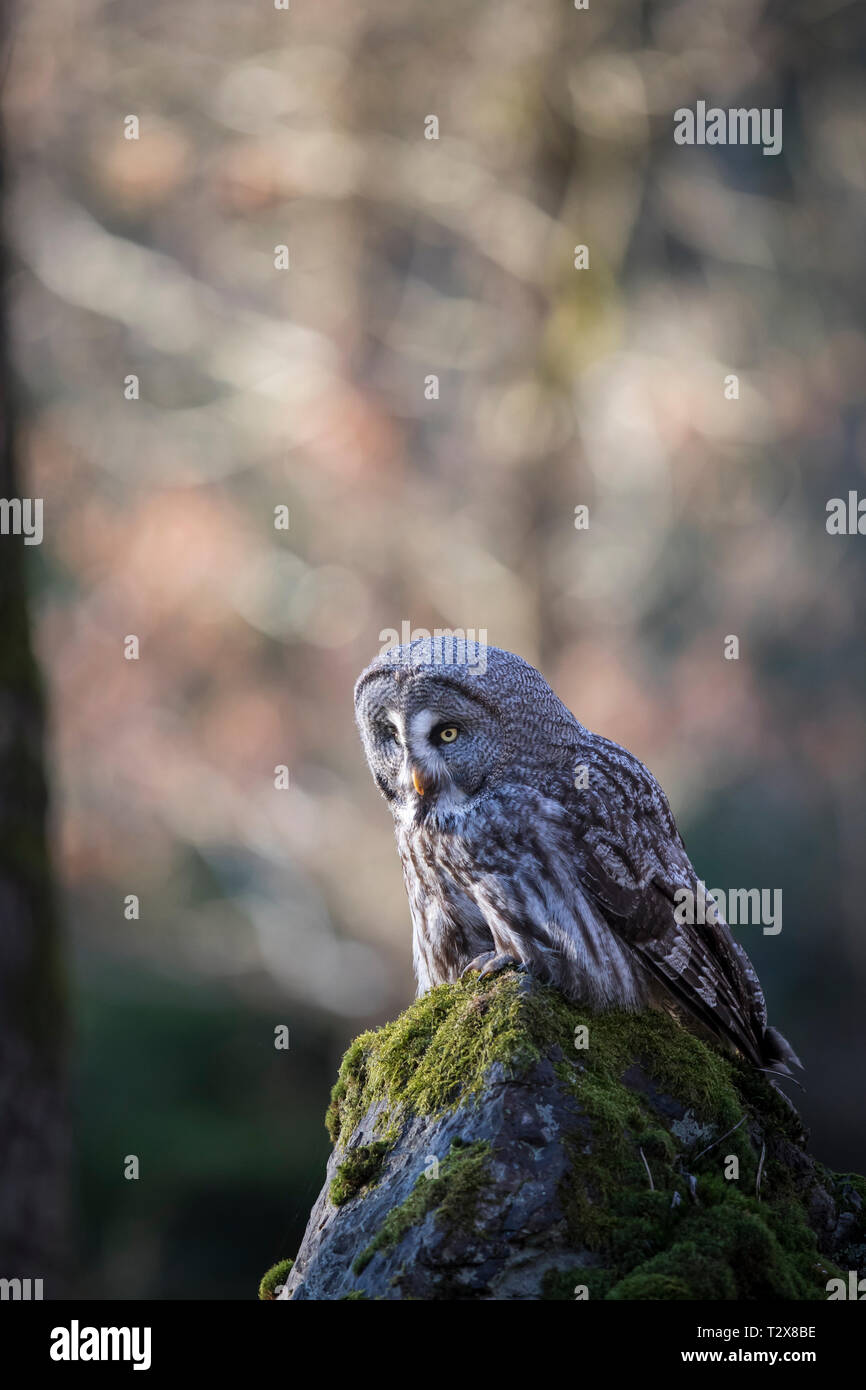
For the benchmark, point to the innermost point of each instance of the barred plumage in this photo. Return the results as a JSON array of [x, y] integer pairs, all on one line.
[[524, 836]]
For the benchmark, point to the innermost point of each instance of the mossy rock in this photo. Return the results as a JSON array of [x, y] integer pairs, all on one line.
[[496, 1142], [360, 1169]]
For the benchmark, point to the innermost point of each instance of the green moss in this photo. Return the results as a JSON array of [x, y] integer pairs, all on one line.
[[655, 1286], [360, 1169], [453, 1195], [723, 1244], [275, 1277], [435, 1055], [730, 1252]]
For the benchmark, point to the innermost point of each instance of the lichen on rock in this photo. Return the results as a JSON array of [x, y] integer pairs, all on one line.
[[497, 1142]]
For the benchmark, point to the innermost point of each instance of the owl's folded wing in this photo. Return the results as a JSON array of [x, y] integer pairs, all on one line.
[[694, 962], [632, 862]]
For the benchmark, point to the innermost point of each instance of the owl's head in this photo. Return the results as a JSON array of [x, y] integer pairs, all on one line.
[[443, 721]]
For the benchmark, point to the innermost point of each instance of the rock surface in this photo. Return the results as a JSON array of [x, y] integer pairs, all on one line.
[[495, 1142]]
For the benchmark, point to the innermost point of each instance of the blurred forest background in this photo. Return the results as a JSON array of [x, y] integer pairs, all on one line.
[[305, 387]]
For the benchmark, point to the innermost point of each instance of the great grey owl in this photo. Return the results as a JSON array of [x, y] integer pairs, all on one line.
[[527, 839]]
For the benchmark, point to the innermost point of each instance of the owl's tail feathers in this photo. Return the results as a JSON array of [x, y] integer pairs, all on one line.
[[779, 1055]]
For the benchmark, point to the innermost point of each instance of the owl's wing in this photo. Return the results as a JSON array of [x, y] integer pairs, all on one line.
[[632, 861], [694, 962]]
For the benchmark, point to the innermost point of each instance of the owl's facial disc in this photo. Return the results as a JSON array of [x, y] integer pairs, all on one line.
[[431, 746]]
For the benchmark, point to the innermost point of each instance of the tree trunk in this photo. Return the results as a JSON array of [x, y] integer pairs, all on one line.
[[33, 1116]]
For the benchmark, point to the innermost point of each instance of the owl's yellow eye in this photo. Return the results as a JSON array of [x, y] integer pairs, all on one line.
[[448, 734]]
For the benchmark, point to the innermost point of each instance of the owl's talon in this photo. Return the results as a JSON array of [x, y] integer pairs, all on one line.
[[478, 963], [498, 963]]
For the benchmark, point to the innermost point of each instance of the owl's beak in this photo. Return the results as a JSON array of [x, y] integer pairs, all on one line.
[[418, 782]]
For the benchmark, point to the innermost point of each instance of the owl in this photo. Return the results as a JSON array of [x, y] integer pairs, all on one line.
[[526, 839]]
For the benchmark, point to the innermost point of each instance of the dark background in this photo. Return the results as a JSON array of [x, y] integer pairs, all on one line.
[[305, 387]]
